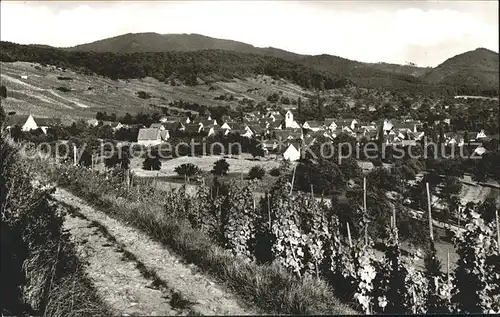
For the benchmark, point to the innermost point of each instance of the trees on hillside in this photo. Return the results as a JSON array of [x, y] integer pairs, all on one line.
[[221, 167]]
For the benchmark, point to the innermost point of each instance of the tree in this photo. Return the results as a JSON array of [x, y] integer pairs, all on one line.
[[187, 170], [256, 150], [152, 161], [105, 132], [3, 91], [256, 172], [2, 117], [221, 167]]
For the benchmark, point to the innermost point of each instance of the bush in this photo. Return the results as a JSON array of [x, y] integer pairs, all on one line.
[[256, 172], [221, 167], [143, 95], [41, 273], [3, 91], [63, 89], [187, 170], [152, 161], [275, 172]]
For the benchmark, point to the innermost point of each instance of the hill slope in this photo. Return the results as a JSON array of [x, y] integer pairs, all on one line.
[[379, 75], [154, 42], [477, 69]]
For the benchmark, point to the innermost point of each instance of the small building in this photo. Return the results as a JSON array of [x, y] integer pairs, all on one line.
[[313, 125], [26, 122], [46, 123], [152, 137], [157, 126], [292, 153]]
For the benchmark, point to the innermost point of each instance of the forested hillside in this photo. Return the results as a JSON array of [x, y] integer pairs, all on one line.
[[207, 65]]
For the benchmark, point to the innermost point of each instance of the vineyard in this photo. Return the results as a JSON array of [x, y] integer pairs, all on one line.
[[305, 237]]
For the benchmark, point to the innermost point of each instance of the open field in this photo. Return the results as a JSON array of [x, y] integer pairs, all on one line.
[[205, 163], [38, 94]]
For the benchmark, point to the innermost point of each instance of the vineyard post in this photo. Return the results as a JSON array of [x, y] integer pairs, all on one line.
[[498, 231], [349, 235], [92, 164], [269, 210], [74, 155], [414, 300], [364, 194], [293, 179], [431, 233], [364, 210], [448, 265], [395, 226], [312, 191], [241, 176]]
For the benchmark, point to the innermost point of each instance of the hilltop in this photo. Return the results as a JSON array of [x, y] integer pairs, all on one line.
[[154, 42], [474, 69], [474, 72]]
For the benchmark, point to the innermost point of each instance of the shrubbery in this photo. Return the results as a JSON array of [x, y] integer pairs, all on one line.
[[256, 172]]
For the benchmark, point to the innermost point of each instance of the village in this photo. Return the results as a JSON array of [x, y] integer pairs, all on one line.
[[280, 135]]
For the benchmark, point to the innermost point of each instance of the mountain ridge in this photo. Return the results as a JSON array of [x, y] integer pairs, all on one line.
[[472, 72]]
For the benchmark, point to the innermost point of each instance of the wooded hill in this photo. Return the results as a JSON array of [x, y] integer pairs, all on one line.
[[193, 57]]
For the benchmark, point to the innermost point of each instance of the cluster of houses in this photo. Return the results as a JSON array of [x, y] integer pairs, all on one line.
[[277, 129]]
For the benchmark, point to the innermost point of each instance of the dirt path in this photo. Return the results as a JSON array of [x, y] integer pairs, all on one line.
[[136, 275]]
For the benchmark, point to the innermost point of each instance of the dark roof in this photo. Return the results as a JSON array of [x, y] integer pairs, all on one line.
[[47, 122], [172, 126], [155, 125], [314, 124], [192, 127], [16, 119]]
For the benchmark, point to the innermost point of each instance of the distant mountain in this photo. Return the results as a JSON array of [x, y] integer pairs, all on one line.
[[477, 69], [154, 42], [373, 75], [474, 72]]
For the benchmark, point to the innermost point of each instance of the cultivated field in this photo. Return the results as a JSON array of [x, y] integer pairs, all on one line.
[[38, 94]]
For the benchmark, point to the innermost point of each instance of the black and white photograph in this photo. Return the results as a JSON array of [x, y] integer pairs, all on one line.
[[252, 157]]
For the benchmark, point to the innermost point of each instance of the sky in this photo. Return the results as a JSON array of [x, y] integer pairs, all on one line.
[[423, 32]]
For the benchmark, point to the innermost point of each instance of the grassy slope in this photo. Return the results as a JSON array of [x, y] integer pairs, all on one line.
[[269, 287], [38, 95]]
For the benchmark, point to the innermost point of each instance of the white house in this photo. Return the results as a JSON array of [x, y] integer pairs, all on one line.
[[290, 122], [313, 125], [481, 135], [24, 76], [151, 137], [291, 153]]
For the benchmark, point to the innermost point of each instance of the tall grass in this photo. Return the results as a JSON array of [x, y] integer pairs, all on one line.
[[41, 274], [159, 214]]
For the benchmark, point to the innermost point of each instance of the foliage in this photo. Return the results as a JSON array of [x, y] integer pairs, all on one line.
[[3, 91], [152, 161], [186, 66], [188, 170], [256, 172], [275, 172], [221, 167]]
